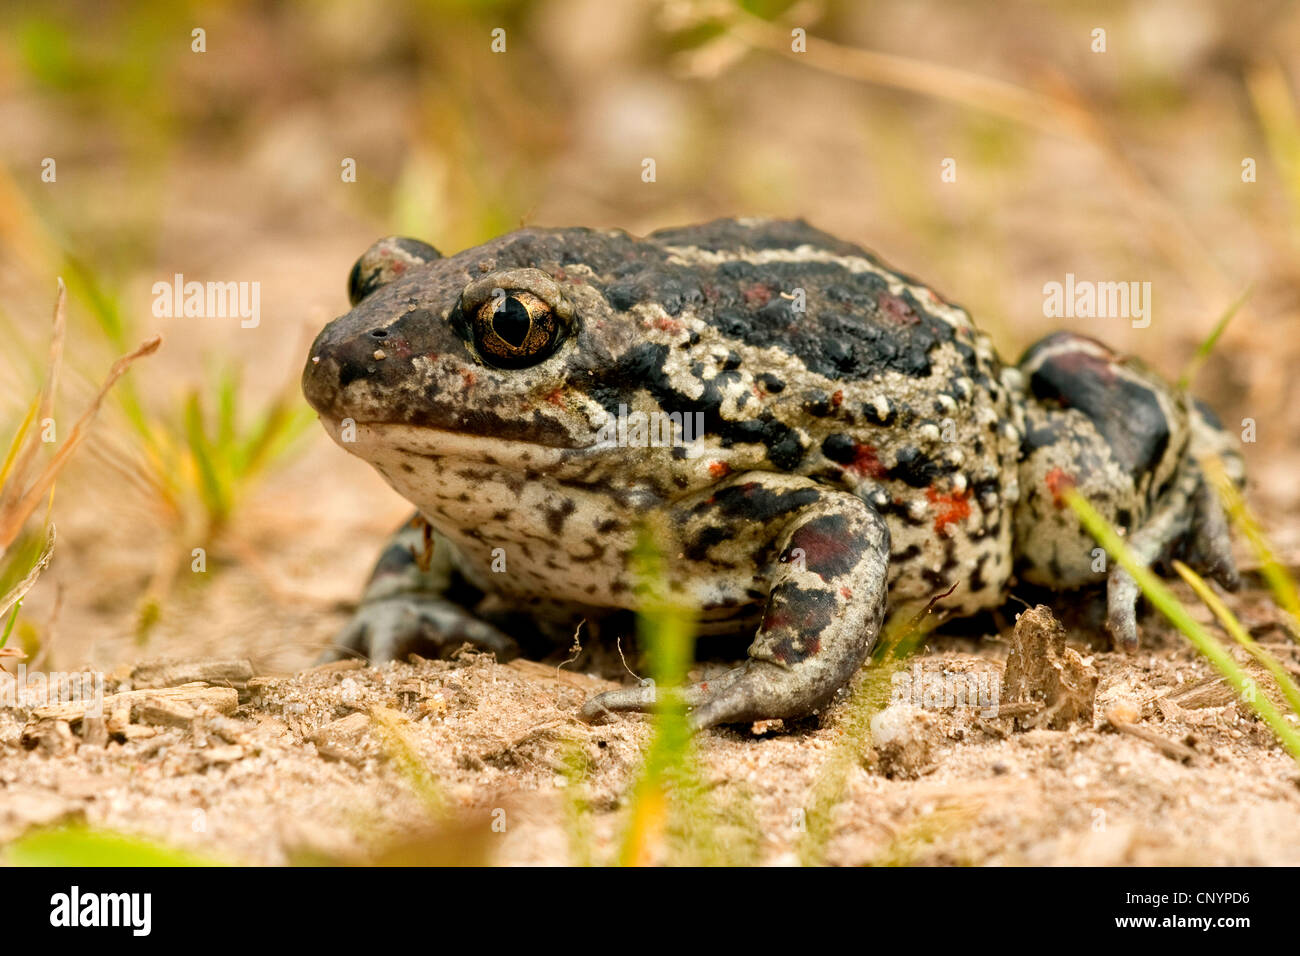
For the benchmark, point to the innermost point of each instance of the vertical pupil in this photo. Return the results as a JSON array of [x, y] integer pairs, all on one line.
[[511, 321]]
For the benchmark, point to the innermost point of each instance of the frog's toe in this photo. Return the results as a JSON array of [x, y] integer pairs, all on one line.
[[634, 699], [392, 628], [746, 694], [641, 699]]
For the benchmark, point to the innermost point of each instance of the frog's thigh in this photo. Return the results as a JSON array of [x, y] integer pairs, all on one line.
[[823, 614], [822, 617]]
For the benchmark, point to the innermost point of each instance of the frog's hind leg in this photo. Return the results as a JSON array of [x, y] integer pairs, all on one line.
[[1130, 444], [823, 614]]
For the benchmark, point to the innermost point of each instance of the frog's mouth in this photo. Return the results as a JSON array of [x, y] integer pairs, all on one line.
[[369, 440]]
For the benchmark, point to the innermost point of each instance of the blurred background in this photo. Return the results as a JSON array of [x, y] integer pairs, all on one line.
[[1164, 149]]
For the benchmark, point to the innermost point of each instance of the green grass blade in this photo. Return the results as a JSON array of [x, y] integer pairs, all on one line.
[[9, 625], [1211, 340], [210, 484], [902, 635], [83, 846], [667, 631]]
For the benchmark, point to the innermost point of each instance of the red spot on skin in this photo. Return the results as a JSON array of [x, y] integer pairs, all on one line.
[[398, 266], [757, 296], [469, 377], [846, 593], [894, 308], [719, 469], [948, 508], [865, 462], [820, 550], [665, 324], [561, 275], [1058, 480], [556, 397], [776, 619], [837, 399]]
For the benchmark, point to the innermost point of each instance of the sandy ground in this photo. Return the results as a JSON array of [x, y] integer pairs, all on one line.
[[317, 765]]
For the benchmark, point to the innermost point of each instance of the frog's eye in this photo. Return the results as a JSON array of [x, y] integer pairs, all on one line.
[[515, 328]]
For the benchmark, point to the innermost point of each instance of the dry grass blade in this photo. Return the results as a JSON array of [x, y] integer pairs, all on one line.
[[1060, 112], [16, 471], [978, 92], [15, 510]]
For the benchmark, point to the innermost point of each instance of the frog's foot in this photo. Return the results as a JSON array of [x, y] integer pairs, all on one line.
[[1190, 518], [823, 615], [390, 628]]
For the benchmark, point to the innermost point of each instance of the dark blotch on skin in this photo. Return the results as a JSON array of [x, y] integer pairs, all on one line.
[[828, 546], [1126, 413], [555, 517], [840, 448], [796, 616], [642, 366], [914, 467], [754, 502], [395, 559], [817, 403], [672, 287], [698, 550]]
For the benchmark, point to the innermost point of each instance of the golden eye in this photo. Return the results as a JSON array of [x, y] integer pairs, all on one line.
[[515, 329]]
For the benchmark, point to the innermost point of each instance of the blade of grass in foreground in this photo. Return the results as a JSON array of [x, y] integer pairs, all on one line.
[[84, 846], [1233, 626], [1163, 600], [667, 631]]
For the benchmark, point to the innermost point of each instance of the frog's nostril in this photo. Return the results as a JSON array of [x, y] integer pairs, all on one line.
[[379, 333]]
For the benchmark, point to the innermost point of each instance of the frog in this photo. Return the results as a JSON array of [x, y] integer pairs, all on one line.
[[829, 440]]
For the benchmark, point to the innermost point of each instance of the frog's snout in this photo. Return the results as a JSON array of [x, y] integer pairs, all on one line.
[[335, 362], [362, 365]]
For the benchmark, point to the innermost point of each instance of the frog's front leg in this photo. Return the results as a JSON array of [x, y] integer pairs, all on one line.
[[417, 602], [824, 609]]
